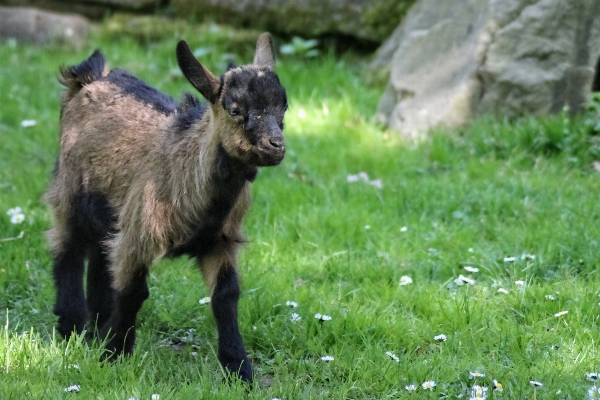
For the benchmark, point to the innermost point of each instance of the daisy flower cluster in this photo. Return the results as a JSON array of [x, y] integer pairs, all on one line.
[[16, 215], [364, 177]]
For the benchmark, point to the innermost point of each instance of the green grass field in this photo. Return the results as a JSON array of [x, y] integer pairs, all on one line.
[[519, 201]]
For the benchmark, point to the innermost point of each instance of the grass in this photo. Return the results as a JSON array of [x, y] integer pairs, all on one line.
[[467, 198]]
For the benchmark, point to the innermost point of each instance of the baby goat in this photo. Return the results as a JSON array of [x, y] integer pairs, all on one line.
[[139, 178]]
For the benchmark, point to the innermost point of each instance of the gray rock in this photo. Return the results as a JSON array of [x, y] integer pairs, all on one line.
[[371, 20], [95, 9], [454, 60], [41, 27]]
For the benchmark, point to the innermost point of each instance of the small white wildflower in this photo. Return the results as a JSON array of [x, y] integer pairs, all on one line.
[[440, 338], [536, 383], [327, 358], [520, 283], [392, 356], [476, 374], [470, 250], [465, 279], [74, 366], [411, 388], [478, 392], [428, 385], [73, 388], [204, 300], [292, 304], [498, 386], [17, 218], [549, 297], [376, 183], [352, 178], [14, 211], [194, 354], [28, 122], [405, 280], [132, 398], [592, 376], [403, 229], [561, 313], [593, 393], [510, 259], [502, 290], [295, 317], [155, 397], [527, 257], [322, 317], [471, 269]]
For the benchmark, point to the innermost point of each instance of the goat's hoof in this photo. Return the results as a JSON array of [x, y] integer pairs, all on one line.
[[240, 369]]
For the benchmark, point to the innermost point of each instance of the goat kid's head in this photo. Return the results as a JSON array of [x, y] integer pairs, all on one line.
[[248, 103]]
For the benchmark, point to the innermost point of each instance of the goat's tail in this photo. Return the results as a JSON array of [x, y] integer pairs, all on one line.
[[77, 76]]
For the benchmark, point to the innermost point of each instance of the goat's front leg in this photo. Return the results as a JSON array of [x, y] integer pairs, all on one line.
[[120, 327], [221, 275]]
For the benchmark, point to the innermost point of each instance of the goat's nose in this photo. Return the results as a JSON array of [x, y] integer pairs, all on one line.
[[277, 141]]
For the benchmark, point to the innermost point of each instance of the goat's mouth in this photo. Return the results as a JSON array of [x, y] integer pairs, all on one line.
[[270, 150]]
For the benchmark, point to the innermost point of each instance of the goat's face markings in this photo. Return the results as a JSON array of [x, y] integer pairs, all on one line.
[[254, 98]]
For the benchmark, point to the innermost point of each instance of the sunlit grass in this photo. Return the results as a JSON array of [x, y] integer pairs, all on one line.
[[469, 198]]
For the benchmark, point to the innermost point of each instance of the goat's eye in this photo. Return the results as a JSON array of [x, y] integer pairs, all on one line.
[[234, 112]]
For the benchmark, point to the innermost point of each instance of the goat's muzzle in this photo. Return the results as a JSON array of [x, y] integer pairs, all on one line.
[[271, 148]]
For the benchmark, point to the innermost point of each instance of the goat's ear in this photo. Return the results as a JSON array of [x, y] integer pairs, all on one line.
[[264, 56], [201, 78]]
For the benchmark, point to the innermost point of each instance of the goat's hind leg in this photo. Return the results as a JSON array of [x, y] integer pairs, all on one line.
[[69, 257], [100, 293], [131, 290]]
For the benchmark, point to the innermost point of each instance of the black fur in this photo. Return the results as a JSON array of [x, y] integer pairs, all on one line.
[[89, 226], [231, 353], [141, 91], [189, 111], [120, 327], [87, 72], [232, 177]]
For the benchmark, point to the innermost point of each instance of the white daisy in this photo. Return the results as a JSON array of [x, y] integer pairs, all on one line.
[[478, 392], [327, 358], [561, 313], [593, 393], [73, 388], [292, 304], [403, 229], [17, 218], [28, 122], [440, 338], [428, 385], [464, 279], [498, 386], [549, 297], [471, 269], [502, 290], [295, 317], [405, 280], [520, 283], [411, 388], [14, 211], [592, 376], [536, 383], [204, 300], [476, 374], [392, 356], [155, 397]]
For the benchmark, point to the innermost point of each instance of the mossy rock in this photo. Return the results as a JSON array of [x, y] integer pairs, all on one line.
[[367, 20]]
